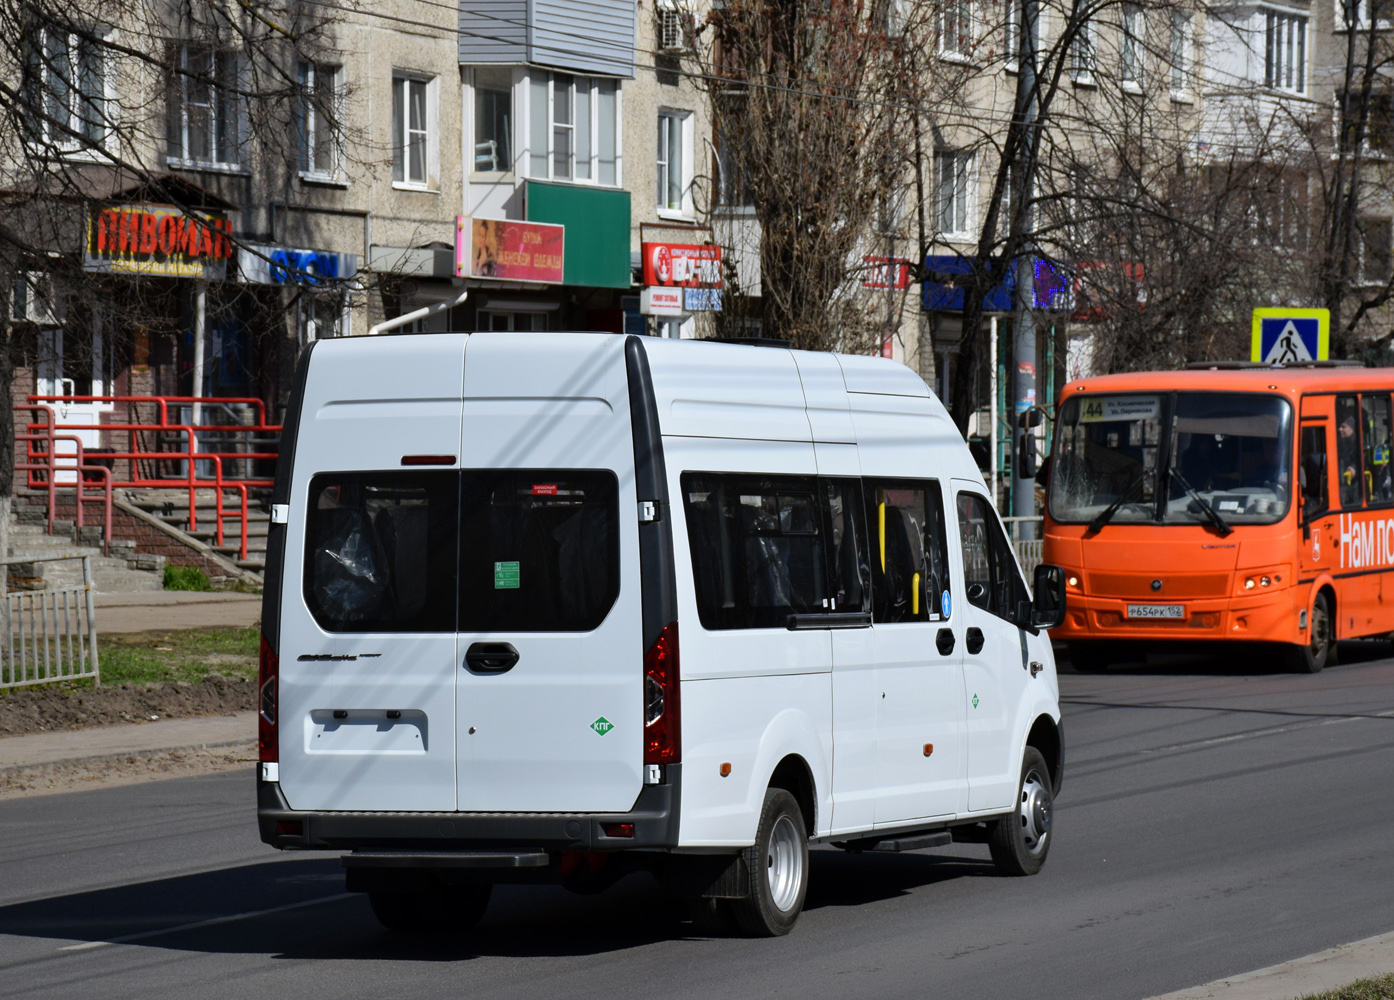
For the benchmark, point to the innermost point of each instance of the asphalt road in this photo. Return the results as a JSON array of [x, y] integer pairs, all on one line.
[[1215, 818]]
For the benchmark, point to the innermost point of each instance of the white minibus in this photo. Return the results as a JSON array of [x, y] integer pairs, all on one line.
[[557, 607]]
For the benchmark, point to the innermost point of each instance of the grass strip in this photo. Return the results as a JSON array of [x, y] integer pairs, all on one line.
[[1379, 988], [179, 655]]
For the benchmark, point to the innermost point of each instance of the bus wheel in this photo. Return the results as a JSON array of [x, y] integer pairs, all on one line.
[[1020, 840], [1321, 642], [1091, 657], [777, 864]]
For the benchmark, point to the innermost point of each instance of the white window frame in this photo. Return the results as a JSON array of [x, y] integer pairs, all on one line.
[[77, 101], [1286, 50], [1011, 34], [473, 144], [1362, 14], [180, 92], [430, 132], [534, 131], [1083, 58], [684, 122], [1179, 48], [956, 30], [960, 190], [312, 131], [1132, 44]]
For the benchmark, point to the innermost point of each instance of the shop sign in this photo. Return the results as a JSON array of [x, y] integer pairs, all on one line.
[[886, 272], [661, 302], [158, 240], [271, 265], [701, 299], [681, 264], [509, 250]]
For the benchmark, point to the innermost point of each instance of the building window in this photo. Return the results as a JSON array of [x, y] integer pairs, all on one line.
[[675, 162], [1130, 52], [1011, 33], [322, 317], [573, 133], [1375, 251], [956, 28], [1285, 52], [68, 69], [204, 116], [1081, 54], [493, 120], [411, 131], [1378, 122], [320, 91], [1179, 53], [955, 192]]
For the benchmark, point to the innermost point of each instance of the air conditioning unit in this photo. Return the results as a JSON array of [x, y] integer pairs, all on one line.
[[673, 29], [32, 299]]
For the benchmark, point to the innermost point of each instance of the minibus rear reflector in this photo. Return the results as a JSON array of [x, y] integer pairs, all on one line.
[[268, 745], [662, 711], [618, 829], [428, 459]]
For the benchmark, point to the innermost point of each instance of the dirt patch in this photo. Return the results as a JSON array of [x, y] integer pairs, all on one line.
[[125, 769], [55, 708]]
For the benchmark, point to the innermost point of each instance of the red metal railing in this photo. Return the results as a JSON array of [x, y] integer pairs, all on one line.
[[51, 467], [50, 464]]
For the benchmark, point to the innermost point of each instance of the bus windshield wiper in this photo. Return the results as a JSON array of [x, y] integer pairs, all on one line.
[[1221, 525], [1104, 516]]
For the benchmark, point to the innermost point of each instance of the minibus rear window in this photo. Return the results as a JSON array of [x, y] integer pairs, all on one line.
[[539, 549], [757, 549], [380, 551]]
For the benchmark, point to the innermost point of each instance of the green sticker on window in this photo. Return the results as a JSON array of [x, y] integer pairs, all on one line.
[[506, 576]]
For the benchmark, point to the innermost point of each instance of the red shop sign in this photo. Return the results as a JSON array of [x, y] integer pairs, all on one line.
[[684, 265]]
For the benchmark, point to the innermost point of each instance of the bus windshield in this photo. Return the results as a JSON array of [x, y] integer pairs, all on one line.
[[1166, 457]]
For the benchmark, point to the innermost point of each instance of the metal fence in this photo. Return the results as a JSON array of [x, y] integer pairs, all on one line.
[[48, 635], [1028, 550]]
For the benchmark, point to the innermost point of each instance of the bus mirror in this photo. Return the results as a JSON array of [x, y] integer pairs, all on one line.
[[1037, 418], [1026, 456], [1048, 605]]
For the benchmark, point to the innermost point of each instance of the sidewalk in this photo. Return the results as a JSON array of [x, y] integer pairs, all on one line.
[[144, 737], [1325, 970], [169, 609]]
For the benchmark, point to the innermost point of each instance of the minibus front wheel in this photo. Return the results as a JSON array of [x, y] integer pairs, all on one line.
[[1320, 648], [1020, 840]]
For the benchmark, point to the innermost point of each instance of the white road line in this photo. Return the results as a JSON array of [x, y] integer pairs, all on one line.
[[213, 922], [1255, 734]]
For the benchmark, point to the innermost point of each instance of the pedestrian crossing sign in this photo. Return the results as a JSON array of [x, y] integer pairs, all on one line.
[[1290, 336]]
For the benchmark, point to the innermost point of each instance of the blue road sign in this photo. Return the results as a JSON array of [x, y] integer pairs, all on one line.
[[1289, 336]]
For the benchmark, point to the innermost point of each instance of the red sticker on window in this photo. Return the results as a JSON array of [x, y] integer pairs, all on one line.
[[544, 489]]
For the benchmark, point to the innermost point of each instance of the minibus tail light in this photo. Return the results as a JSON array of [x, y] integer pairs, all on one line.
[[268, 746], [662, 712]]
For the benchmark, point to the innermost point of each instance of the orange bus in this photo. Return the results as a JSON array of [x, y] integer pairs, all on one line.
[[1236, 503]]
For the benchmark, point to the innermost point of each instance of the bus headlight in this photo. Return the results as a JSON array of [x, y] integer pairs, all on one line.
[[1249, 583]]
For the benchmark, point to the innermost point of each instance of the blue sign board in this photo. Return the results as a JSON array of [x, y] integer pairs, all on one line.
[[701, 299], [1288, 336], [947, 276]]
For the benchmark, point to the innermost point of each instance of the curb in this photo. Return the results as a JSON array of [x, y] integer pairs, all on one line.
[[12, 770], [1315, 973]]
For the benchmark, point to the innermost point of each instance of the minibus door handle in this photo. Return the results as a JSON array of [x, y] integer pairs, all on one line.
[[975, 640], [944, 639], [491, 657]]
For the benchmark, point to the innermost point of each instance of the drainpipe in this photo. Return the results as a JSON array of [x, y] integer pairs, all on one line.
[[200, 325], [415, 314]]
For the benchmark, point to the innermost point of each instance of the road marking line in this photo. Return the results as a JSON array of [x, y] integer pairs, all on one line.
[[197, 925]]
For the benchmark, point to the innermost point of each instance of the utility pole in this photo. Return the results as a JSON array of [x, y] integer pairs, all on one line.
[[1024, 323]]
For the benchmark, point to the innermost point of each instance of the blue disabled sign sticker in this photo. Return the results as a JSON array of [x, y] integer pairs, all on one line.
[[1290, 336], [945, 604]]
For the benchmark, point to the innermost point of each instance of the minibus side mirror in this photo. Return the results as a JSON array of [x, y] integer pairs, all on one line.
[[1048, 604]]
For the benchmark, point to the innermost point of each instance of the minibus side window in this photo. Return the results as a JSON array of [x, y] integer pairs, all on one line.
[[848, 552], [380, 551], [909, 550], [1374, 428], [989, 567], [539, 549], [1314, 500], [1348, 463], [757, 546]]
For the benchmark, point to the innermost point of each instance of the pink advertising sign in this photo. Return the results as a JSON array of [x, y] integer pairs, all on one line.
[[509, 250]]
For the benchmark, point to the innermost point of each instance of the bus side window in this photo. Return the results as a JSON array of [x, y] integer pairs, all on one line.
[[1313, 471], [1374, 412], [1348, 471]]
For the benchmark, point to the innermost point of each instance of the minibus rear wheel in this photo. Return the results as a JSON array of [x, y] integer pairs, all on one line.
[[1020, 840], [1320, 647], [441, 909], [777, 869]]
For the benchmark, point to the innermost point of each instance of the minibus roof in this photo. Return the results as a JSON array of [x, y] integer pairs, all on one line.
[[1292, 381]]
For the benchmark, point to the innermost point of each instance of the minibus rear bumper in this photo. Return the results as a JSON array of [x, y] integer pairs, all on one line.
[[652, 823], [1270, 618]]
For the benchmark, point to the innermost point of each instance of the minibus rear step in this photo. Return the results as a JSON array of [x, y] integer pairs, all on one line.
[[897, 844], [445, 859]]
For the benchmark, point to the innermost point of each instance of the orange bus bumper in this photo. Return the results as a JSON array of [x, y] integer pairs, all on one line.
[[1271, 617]]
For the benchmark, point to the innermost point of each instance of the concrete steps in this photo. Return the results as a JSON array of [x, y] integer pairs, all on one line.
[[172, 507], [123, 571]]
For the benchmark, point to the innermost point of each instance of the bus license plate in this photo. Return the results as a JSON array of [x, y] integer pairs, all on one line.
[[1156, 611]]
